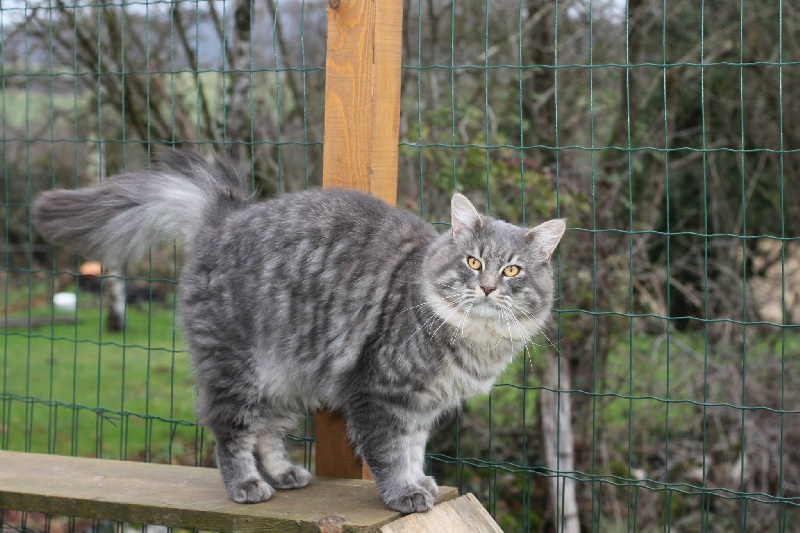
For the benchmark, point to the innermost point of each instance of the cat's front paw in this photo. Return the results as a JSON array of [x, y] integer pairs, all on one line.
[[429, 484], [294, 478], [411, 499], [251, 491]]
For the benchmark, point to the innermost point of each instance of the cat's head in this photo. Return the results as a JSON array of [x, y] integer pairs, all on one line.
[[490, 275]]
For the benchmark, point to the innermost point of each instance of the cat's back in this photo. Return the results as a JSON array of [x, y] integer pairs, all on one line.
[[328, 218], [307, 243], [334, 211]]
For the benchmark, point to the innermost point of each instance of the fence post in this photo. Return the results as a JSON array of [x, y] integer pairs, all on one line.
[[362, 121]]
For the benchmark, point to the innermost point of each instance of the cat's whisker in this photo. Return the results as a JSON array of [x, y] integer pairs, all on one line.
[[435, 316], [521, 330], [535, 324], [541, 332], [527, 339], [460, 327], [428, 321], [430, 303], [529, 347], [466, 314], [454, 305], [448, 318], [447, 286], [523, 311], [505, 314]]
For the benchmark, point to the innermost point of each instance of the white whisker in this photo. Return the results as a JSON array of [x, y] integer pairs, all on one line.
[[524, 337], [505, 314], [435, 316], [449, 286], [528, 339], [466, 314], [448, 318], [460, 327], [430, 303], [535, 324]]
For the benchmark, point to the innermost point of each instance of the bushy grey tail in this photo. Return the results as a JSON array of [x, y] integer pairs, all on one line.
[[121, 218]]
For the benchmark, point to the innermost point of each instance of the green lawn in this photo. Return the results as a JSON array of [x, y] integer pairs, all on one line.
[[74, 388]]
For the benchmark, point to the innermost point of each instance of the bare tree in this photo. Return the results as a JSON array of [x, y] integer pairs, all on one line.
[[237, 110], [555, 410]]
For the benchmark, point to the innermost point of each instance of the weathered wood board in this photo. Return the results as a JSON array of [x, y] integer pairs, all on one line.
[[182, 496], [462, 515]]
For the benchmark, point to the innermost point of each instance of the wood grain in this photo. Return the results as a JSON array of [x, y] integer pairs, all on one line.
[[182, 496]]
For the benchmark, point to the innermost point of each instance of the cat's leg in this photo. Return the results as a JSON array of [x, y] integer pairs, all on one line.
[[235, 420], [272, 456], [386, 440], [237, 465], [419, 439]]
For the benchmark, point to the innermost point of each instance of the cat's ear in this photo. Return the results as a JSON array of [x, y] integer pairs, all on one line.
[[465, 217], [546, 236]]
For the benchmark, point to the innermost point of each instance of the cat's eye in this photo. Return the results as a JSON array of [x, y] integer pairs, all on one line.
[[510, 271], [474, 264]]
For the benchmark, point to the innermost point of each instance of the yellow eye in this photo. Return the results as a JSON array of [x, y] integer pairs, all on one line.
[[473, 263], [510, 271]]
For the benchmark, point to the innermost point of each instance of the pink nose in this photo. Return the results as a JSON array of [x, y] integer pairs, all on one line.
[[487, 290]]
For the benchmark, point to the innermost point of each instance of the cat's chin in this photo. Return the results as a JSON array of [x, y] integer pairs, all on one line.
[[489, 322], [487, 309]]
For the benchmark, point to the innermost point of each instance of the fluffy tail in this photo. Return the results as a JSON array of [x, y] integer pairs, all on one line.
[[121, 218]]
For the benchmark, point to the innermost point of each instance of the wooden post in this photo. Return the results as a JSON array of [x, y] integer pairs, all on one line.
[[362, 121]]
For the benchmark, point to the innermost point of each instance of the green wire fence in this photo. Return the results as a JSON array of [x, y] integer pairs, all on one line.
[[663, 397]]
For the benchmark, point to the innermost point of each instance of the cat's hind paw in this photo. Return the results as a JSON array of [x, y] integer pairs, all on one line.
[[412, 499], [294, 478], [251, 491]]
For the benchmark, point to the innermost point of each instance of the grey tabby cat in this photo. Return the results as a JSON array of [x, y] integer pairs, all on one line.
[[319, 298]]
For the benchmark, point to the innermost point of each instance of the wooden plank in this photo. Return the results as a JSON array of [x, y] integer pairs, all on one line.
[[462, 515], [182, 496], [360, 149]]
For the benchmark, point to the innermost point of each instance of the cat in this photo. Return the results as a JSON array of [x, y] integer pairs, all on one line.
[[321, 298]]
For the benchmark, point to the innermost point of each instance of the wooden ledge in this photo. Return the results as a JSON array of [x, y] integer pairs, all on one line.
[[183, 496]]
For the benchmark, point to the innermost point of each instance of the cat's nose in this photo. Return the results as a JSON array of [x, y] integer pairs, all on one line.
[[487, 290]]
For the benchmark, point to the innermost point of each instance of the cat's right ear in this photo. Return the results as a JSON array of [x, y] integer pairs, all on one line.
[[546, 236], [465, 217]]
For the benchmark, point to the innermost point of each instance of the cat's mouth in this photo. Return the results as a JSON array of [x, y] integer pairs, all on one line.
[[493, 298]]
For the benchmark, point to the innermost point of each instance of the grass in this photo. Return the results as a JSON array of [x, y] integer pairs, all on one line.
[[74, 388]]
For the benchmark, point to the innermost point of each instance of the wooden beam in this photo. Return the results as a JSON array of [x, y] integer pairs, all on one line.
[[362, 121], [362, 96], [183, 496], [334, 456]]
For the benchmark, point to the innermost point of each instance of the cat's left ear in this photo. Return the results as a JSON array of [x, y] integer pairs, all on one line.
[[546, 236], [465, 217]]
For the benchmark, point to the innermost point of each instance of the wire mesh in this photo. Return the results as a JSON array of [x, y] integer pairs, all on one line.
[[661, 397]]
